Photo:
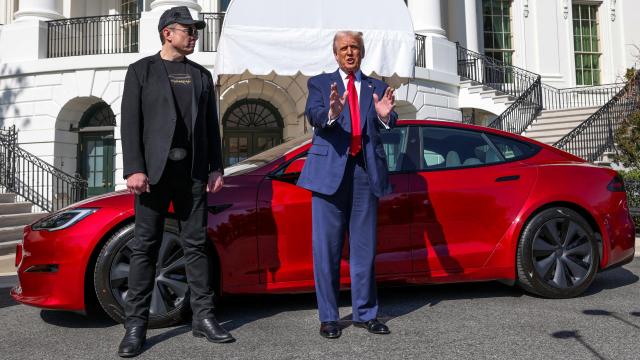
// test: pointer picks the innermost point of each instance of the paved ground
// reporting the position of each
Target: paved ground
(460, 321)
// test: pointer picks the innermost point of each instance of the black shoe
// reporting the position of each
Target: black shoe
(373, 326)
(210, 329)
(330, 330)
(132, 342)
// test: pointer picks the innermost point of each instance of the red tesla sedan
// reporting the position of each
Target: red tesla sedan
(469, 204)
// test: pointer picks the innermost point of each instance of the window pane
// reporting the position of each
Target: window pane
(512, 149)
(596, 77)
(453, 148)
(579, 80)
(588, 80)
(395, 147)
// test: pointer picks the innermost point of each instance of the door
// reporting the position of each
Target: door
(284, 225)
(96, 161)
(466, 195)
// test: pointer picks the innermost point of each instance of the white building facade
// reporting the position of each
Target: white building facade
(63, 63)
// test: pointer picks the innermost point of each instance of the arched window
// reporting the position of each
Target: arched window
(251, 126)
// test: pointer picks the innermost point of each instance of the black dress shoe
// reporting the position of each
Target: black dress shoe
(330, 330)
(373, 326)
(210, 329)
(132, 342)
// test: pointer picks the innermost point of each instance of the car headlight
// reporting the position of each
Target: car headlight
(62, 220)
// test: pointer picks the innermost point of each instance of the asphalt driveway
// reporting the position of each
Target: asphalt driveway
(459, 321)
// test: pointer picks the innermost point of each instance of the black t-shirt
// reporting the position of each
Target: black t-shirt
(182, 87)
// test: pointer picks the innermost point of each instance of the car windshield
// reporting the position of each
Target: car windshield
(266, 156)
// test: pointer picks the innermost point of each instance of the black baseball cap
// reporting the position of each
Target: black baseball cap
(180, 15)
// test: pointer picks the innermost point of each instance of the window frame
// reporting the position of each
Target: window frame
(591, 55)
(504, 51)
(483, 135)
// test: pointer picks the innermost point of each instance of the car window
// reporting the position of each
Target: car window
(444, 148)
(395, 146)
(512, 149)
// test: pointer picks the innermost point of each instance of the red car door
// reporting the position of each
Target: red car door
(464, 198)
(284, 223)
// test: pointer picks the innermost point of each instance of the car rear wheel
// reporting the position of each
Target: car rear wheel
(170, 294)
(557, 254)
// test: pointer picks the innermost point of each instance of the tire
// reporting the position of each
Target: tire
(557, 254)
(170, 296)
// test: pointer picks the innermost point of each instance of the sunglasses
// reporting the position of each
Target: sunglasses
(191, 31)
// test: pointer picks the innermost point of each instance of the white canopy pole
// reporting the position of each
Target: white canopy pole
(287, 37)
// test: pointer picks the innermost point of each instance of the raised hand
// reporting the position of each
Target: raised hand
(385, 105)
(336, 102)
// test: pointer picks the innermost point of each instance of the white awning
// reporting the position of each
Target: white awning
(295, 36)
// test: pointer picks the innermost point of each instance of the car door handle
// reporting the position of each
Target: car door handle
(508, 178)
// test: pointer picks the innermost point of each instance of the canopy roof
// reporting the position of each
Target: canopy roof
(291, 36)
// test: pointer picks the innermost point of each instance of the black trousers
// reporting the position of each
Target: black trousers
(190, 206)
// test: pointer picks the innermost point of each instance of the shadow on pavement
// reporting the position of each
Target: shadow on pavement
(75, 320)
(575, 334)
(156, 339)
(5, 299)
(611, 279)
(236, 311)
(613, 315)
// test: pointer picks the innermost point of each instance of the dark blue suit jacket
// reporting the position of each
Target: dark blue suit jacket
(327, 157)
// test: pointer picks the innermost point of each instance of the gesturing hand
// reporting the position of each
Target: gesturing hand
(336, 103)
(385, 105)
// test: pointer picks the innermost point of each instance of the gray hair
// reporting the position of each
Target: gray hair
(355, 34)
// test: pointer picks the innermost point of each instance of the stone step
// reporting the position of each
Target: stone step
(477, 88)
(7, 198)
(10, 233)
(565, 119)
(20, 219)
(547, 139)
(8, 247)
(565, 112)
(15, 208)
(542, 127)
(487, 94)
(504, 99)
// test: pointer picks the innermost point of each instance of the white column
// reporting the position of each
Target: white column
(456, 26)
(471, 21)
(162, 5)
(39, 10)
(427, 17)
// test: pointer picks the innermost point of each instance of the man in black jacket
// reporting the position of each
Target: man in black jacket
(172, 152)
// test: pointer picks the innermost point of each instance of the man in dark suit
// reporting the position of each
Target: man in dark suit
(346, 169)
(172, 152)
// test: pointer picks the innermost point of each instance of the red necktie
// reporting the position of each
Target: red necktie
(354, 110)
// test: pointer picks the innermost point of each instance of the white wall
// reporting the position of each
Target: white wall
(628, 18)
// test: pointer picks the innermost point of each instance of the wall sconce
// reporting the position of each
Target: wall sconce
(526, 9)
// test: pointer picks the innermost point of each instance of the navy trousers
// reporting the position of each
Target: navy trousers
(352, 208)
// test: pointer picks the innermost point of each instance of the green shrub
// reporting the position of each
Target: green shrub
(632, 184)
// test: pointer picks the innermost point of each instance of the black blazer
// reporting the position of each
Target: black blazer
(149, 117)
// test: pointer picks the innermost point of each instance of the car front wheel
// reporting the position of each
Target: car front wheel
(557, 254)
(170, 295)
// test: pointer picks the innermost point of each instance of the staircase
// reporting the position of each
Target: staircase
(580, 120)
(483, 97)
(13, 217)
(551, 125)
